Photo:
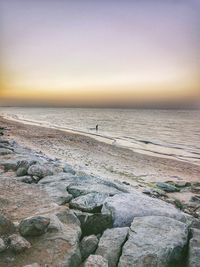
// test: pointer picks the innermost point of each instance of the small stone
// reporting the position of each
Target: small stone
(34, 226)
(21, 171)
(195, 199)
(5, 151)
(25, 179)
(18, 244)
(39, 171)
(2, 245)
(88, 245)
(6, 226)
(95, 261)
(68, 169)
(167, 187)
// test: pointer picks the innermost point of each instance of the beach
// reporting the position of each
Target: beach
(70, 200)
(102, 159)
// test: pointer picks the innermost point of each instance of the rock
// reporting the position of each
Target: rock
(18, 244)
(9, 165)
(182, 184)
(6, 226)
(194, 249)
(154, 241)
(2, 245)
(93, 223)
(110, 244)
(154, 192)
(125, 207)
(167, 187)
(195, 188)
(39, 170)
(68, 169)
(88, 245)
(5, 151)
(26, 179)
(34, 226)
(95, 261)
(83, 189)
(195, 199)
(21, 171)
(56, 188)
(32, 265)
(91, 202)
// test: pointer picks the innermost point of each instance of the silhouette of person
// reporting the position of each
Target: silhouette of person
(97, 127)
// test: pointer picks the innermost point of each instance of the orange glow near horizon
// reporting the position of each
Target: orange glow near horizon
(78, 54)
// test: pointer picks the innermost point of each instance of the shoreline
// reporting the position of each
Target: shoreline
(141, 147)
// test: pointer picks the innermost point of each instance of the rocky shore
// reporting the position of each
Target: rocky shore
(54, 215)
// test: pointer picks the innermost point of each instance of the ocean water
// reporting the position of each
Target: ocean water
(161, 133)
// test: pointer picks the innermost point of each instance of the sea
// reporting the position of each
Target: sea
(161, 133)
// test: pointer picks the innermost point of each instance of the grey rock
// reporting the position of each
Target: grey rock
(25, 179)
(68, 169)
(5, 151)
(39, 170)
(91, 202)
(2, 245)
(18, 244)
(125, 207)
(154, 241)
(194, 249)
(110, 244)
(34, 226)
(94, 223)
(6, 226)
(167, 187)
(195, 198)
(88, 245)
(95, 261)
(9, 165)
(82, 189)
(21, 171)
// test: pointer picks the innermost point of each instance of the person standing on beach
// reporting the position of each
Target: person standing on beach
(97, 127)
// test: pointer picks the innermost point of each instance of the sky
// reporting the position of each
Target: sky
(99, 53)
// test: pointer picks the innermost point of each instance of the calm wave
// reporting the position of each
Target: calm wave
(162, 133)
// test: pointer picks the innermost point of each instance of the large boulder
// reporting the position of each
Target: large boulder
(95, 261)
(125, 207)
(110, 244)
(194, 249)
(88, 245)
(95, 223)
(34, 226)
(91, 202)
(154, 241)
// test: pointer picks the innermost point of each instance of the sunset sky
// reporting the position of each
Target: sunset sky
(99, 53)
